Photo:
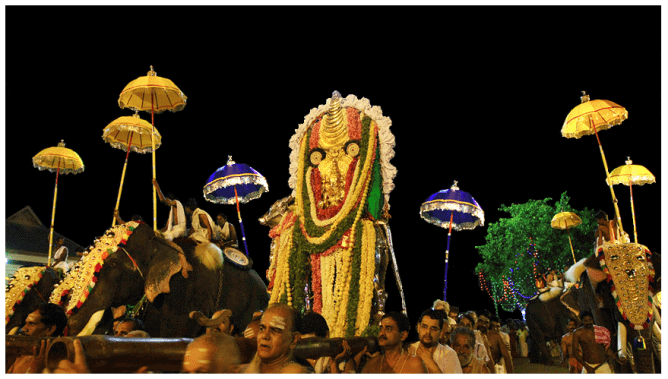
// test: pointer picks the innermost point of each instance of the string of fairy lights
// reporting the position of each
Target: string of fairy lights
(513, 291)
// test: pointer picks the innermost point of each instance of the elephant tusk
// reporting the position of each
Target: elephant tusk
(207, 322)
(657, 331)
(92, 324)
(621, 339)
(13, 331)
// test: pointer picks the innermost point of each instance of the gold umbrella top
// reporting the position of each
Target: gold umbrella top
(602, 114)
(58, 158)
(131, 131)
(152, 92)
(631, 174)
(565, 220)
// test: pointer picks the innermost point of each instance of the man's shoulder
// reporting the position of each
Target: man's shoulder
(294, 368)
(567, 336)
(414, 365)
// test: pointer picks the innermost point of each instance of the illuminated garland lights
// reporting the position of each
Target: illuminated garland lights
(505, 292)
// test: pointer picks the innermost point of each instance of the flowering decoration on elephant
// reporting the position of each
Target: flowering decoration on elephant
(80, 282)
(19, 286)
(324, 255)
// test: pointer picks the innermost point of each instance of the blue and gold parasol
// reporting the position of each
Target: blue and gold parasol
(452, 209)
(233, 184)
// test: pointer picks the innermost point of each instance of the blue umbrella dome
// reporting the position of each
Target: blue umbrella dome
(249, 184)
(465, 210)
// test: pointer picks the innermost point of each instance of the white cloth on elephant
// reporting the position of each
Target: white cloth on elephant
(178, 230)
(603, 369)
(200, 232)
(224, 231)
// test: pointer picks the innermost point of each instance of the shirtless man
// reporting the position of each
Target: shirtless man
(567, 357)
(278, 334)
(594, 342)
(49, 320)
(394, 328)
(497, 346)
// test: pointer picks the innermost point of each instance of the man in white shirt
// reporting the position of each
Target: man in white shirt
(436, 357)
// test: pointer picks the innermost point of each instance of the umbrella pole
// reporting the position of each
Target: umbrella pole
(633, 213)
(53, 216)
(607, 174)
(571, 242)
(120, 189)
(243, 233)
(155, 200)
(447, 255)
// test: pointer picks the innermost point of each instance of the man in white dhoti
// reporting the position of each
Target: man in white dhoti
(176, 223)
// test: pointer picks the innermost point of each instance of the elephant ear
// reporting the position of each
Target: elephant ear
(162, 266)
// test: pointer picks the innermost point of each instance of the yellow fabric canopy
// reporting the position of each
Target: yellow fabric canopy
(603, 114)
(152, 92)
(120, 132)
(59, 157)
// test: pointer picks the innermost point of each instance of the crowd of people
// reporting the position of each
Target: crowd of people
(448, 342)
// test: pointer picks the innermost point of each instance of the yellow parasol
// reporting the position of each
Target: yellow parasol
(63, 161)
(630, 174)
(157, 94)
(130, 133)
(588, 118)
(566, 220)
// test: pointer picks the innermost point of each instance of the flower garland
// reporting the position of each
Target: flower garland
(316, 184)
(316, 280)
(283, 251)
(650, 278)
(367, 273)
(87, 276)
(19, 286)
(327, 271)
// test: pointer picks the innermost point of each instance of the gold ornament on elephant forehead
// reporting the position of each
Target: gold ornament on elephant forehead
(627, 265)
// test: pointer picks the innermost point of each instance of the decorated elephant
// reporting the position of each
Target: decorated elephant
(547, 321)
(619, 285)
(331, 249)
(165, 281)
(28, 288)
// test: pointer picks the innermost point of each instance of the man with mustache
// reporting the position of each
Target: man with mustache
(438, 358)
(497, 346)
(394, 328)
(463, 342)
(481, 349)
(49, 320)
(594, 341)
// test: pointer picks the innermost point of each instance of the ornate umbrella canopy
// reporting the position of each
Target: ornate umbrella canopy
(58, 159)
(592, 116)
(566, 220)
(155, 94)
(152, 93)
(462, 207)
(453, 209)
(631, 174)
(130, 133)
(588, 118)
(61, 160)
(235, 183)
(133, 132)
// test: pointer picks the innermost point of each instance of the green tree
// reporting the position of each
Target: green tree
(521, 248)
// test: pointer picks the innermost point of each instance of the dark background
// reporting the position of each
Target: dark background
(475, 94)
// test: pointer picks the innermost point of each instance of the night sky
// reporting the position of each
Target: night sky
(475, 94)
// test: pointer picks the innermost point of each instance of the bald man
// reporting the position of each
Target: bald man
(211, 354)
